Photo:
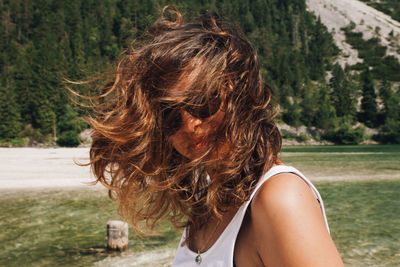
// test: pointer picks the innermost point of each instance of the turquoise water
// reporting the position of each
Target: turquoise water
(333, 163)
(68, 227)
(64, 228)
(343, 148)
(365, 221)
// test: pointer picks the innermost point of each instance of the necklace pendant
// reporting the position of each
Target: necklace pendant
(198, 258)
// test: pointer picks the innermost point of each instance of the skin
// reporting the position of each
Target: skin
(284, 225)
(194, 135)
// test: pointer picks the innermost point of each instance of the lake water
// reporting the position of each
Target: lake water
(48, 222)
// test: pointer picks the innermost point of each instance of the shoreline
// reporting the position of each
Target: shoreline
(28, 168)
(41, 168)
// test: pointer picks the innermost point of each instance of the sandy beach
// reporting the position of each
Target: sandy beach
(38, 168)
(57, 168)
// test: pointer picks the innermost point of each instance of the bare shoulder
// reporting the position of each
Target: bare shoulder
(290, 226)
(283, 193)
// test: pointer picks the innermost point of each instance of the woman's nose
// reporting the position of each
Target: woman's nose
(189, 123)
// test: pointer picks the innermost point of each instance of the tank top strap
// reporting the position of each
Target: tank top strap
(221, 252)
(288, 169)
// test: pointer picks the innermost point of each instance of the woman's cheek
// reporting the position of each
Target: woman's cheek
(179, 144)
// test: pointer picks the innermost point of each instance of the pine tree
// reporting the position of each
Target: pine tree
(44, 117)
(10, 119)
(308, 107)
(388, 99)
(316, 55)
(325, 114)
(389, 131)
(342, 97)
(69, 126)
(292, 115)
(369, 109)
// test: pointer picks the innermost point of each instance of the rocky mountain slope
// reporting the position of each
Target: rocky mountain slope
(336, 14)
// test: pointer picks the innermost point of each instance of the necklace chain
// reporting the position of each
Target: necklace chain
(198, 256)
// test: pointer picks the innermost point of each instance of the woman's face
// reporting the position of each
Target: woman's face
(195, 135)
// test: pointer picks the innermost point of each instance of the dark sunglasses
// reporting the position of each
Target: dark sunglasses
(199, 108)
(203, 111)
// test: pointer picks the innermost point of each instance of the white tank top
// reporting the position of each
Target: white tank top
(220, 254)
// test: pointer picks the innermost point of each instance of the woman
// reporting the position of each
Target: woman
(185, 132)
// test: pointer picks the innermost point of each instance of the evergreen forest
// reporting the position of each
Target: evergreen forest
(44, 42)
(390, 7)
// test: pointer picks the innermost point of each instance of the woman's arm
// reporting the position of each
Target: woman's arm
(289, 225)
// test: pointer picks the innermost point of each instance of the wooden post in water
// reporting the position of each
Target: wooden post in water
(117, 235)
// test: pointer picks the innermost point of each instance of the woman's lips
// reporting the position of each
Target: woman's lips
(199, 143)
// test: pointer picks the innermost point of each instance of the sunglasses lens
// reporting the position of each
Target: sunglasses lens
(199, 108)
(171, 121)
(204, 109)
(201, 112)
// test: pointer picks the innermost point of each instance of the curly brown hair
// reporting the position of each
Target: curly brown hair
(201, 62)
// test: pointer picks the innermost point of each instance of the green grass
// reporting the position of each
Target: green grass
(16, 142)
(68, 227)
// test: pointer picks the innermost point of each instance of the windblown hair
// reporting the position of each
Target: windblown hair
(131, 153)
